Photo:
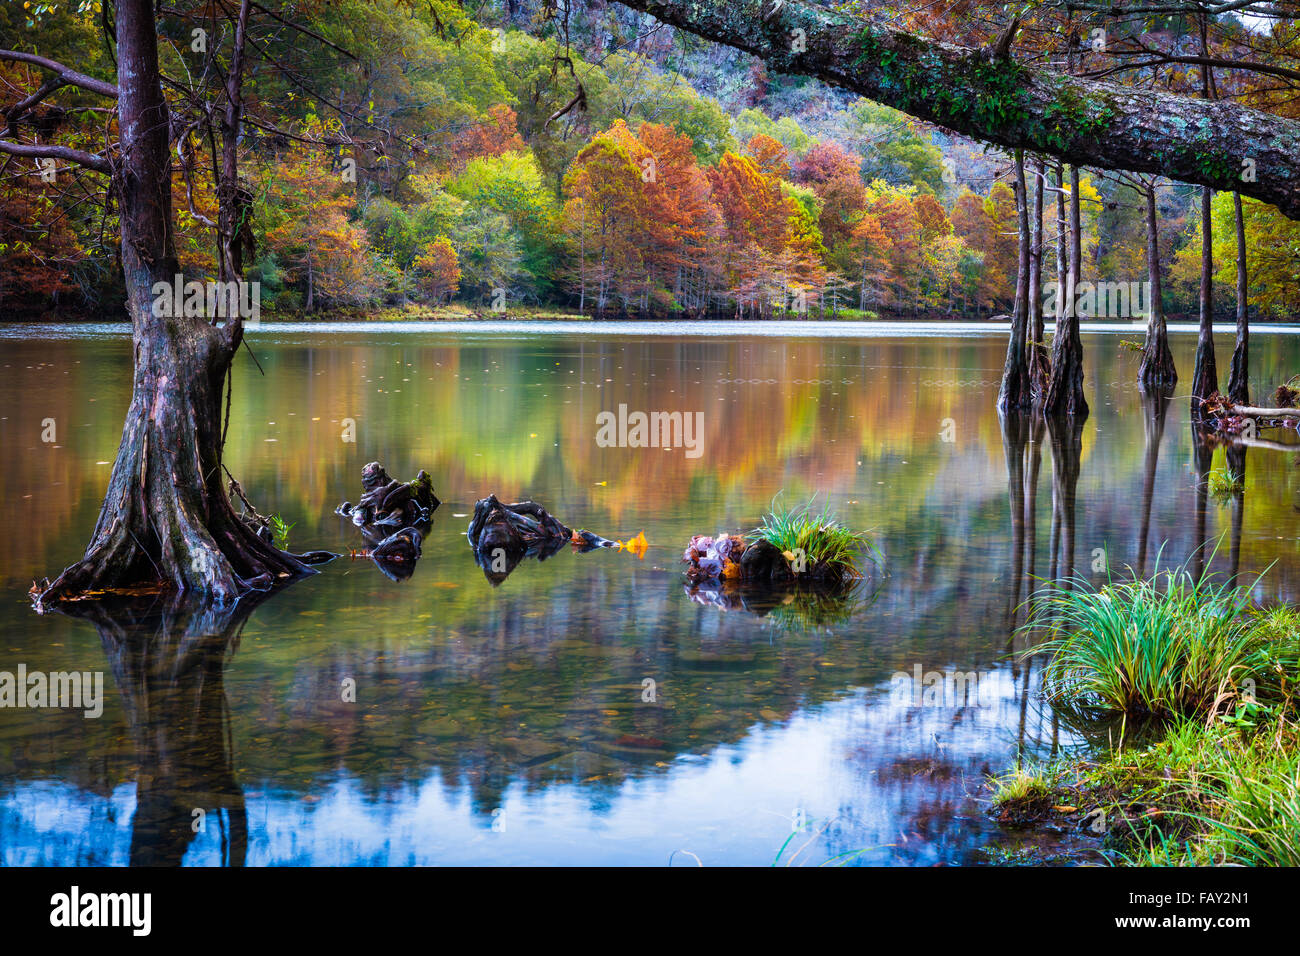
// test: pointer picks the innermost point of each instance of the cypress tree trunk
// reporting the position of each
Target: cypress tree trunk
(166, 520)
(1205, 379)
(1062, 241)
(1065, 387)
(1015, 391)
(234, 204)
(1039, 359)
(1157, 374)
(1238, 385)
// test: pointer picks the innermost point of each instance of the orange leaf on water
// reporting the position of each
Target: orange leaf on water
(638, 545)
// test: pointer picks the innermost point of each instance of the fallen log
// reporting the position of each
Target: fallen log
(1256, 412)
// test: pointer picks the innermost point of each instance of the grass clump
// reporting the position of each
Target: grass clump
(1223, 484)
(1172, 646)
(1024, 794)
(1223, 790)
(1206, 768)
(815, 542)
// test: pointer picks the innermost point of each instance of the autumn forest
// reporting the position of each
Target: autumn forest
(410, 156)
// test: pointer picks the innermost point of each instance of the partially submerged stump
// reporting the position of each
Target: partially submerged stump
(788, 605)
(729, 557)
(728, 573)
(503, 535)
(396, 555)
(387, 503)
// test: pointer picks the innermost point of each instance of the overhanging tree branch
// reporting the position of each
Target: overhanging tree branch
(89, 160)
(64, 75)
(1085, 122)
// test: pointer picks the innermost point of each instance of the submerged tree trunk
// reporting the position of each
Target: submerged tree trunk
(168, 659)
(1157, 374)
(1065, 387)
(1236, 464)
(166, 520)
(1015, 436)
(1065, 435)
(1238, 383)
(1016, 391)
(1205, 379)
(1202, 459)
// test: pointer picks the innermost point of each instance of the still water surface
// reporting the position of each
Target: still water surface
(507, 725)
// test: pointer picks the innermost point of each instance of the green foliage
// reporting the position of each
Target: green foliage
(891, 146)
(1223, 483)
(1072, 116)
(280, 531)
(511, 187)
(748, 123)
(1170, 646)
(828, 547)
(992, 97)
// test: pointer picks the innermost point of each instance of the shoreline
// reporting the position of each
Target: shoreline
(776, 328)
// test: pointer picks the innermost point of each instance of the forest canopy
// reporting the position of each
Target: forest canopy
(405, 155)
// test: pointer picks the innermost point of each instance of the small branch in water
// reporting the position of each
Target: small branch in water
(1258, 412)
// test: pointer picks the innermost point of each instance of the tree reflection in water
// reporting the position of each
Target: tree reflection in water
(168, 659)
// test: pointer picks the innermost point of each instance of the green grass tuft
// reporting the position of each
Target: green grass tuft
(1166, 647)
(1223, 483)
(829, 549)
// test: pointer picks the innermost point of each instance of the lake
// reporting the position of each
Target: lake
(593, 708)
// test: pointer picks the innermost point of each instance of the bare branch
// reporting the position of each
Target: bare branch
(99, 164)
(65, 75)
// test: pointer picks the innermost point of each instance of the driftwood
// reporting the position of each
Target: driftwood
(387, 502)
(1256, 412)
(503, 535)
(1222, 417)
(1265, 443)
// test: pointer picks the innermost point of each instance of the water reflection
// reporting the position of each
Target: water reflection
(1155, 409)
(511, 724)
(168, 662)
